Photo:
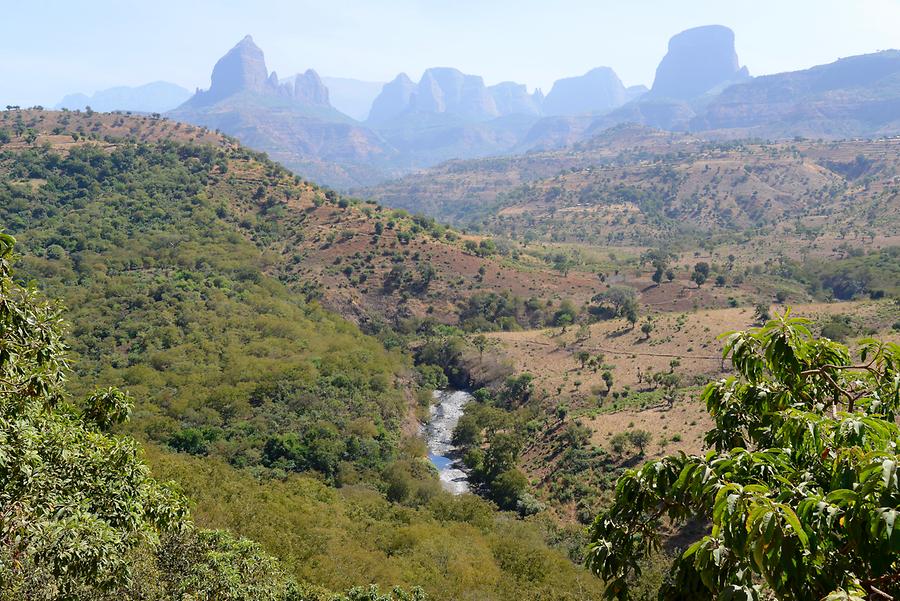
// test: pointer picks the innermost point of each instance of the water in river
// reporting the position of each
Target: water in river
(445, 413)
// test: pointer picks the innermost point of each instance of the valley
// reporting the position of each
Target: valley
(473, 343)
(535, 328)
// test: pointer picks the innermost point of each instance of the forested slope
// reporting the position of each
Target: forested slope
(184, 267)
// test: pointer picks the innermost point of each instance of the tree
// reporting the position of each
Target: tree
(501, 454)
(467, 432)
(566, 314)
(608, 380)
(486, 247)
(562, 263)
(658, 275)
(618, 298)
(646, 328)
(582, 357)
(619, 442)
(427, 273)
(517, 389)
(508, 487)
(480, 342)
(700, 273)
(761, 313)
(801, 485)
(640, 439)
(631, 315)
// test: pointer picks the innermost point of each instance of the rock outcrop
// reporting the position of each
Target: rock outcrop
(635, 92)
(309, 89)
(513, 99)
(291, 120)
(243, 68)
(450, 92)
(447, 90)
(698, 60)
(597, 91)
(392, 101)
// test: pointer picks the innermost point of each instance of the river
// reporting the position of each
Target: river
(445, 413)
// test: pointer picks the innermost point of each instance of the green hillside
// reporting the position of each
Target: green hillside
(169, 300)
(279, 420)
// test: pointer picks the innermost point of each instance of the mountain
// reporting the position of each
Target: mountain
(392, 100)
(699, 87)
(512, 98)
(242, 69)
(699, 63)
(635, 92)
(309, 89)
(448, 90)
(650, 187)
(156, 97)
(292, 120)
(854, 96)
(597, 91)
(352, 96)
(698, 60)
(449, 114)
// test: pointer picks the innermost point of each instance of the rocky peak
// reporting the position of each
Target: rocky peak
(242, 68)
(393, 99)
(597, 91)
(429, 95)
(309, 89)
(513, 99)
(698, 60)
(447, 90)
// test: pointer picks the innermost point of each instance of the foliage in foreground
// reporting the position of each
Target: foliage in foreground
(801, 488)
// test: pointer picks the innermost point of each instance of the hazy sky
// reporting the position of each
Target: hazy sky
(52, 47)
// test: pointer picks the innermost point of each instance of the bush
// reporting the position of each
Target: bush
(508, 487)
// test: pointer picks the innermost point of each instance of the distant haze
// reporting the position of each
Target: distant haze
(95, 45)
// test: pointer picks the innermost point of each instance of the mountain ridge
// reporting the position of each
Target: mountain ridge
(153, 97)
(449, 115)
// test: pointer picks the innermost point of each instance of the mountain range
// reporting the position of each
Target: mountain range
(156, 97)
(349, 133)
